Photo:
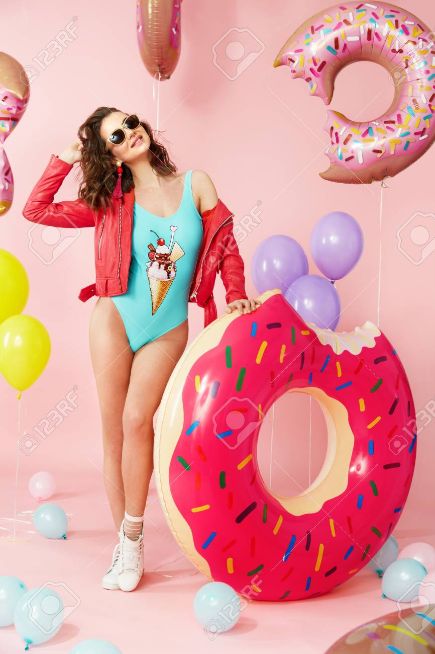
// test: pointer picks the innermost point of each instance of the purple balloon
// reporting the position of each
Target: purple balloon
(277, 262)
(316, 300)
(336, 244)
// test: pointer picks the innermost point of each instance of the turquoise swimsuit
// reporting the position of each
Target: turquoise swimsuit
(164, 254)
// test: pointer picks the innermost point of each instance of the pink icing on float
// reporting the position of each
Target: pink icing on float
(361, 152)
(221, 513)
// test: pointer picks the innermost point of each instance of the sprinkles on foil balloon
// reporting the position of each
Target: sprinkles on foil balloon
(14, 96)
(408, 631)
(361, 152)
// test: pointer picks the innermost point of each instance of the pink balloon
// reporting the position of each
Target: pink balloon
(426, 592)
(424, 553)
(42, 485)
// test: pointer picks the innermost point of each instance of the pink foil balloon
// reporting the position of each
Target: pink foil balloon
(424, 553)
(14, 96)
(159, 35)
(42, 485)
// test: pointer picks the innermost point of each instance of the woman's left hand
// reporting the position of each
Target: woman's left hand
(243, 305)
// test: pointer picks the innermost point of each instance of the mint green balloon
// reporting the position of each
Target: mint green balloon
(385, 556)
(95, 646)
(50, 520)
(11, 589)
(38, 615)
(217, 607)
(401, 580)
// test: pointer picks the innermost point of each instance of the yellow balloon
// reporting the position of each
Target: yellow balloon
(14, 285)
(24, 350)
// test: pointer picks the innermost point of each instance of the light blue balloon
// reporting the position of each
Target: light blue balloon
(11, 589)
(95, 646)
(401, 580)
(385, 557)
(50, 520)
(217, 607)
(38, 615)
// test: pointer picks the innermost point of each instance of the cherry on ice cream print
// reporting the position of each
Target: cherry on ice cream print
(161, 269)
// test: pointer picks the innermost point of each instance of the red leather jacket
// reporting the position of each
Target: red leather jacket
(112, 241)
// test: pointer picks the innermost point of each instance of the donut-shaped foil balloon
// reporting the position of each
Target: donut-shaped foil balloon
(360, 152)
(14, 96)
(231, 526)
(410, 630)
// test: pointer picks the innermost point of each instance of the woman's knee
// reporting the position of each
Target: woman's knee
(136, 423)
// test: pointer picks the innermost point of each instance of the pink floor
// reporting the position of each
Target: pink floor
(158, 616)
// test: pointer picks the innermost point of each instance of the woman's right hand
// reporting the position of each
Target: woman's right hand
(72, 153)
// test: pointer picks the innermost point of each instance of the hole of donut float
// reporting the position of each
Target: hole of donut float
(332, 442)
(289, 459)
(364, 90)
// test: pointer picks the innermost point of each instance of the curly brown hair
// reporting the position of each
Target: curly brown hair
(97, 165)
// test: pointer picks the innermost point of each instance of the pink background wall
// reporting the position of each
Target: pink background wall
(260, 138)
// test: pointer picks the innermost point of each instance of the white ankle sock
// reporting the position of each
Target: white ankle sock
(133, 526)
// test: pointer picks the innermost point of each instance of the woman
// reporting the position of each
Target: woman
(160, 239)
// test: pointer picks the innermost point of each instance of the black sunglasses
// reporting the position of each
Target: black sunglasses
(118, 136)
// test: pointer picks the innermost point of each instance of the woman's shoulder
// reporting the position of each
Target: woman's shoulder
(204, 191)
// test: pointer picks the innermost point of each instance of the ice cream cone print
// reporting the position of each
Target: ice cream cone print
(161, 269)
(159, 289)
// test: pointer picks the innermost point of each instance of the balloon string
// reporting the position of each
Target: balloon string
(156, 97)
(309, 445)
(381, 211)
(17, 459)
(271, 445)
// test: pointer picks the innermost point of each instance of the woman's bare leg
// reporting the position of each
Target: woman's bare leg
(112, 359)
(152, 366)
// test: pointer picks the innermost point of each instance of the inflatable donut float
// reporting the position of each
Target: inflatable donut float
(411, 630)
(219, 509)
(360, 152)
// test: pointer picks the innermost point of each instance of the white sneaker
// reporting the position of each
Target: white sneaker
(110, 579)
(130, 568)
